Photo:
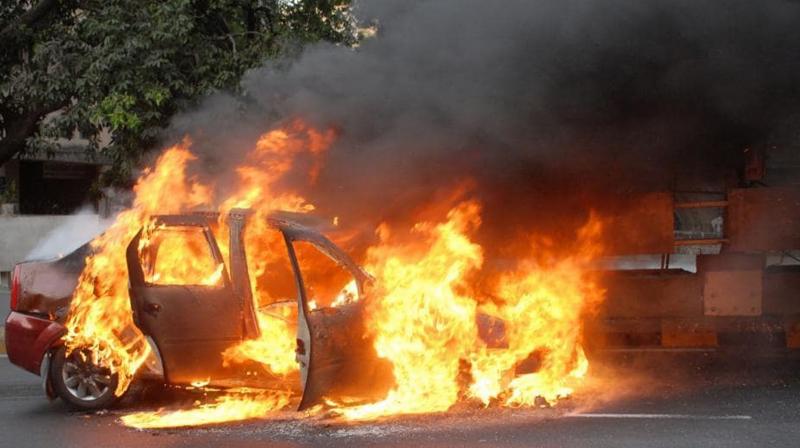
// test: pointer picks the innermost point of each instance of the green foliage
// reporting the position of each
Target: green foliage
(127, 66)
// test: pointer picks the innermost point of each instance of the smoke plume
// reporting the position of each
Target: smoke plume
(548, 106)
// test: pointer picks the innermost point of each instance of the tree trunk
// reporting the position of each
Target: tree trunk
(19, 128)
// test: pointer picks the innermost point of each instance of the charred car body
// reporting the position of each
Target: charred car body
(189, 326)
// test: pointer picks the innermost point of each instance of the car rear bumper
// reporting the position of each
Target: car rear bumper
(28, 338)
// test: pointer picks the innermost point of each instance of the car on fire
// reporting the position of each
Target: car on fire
(189, 326)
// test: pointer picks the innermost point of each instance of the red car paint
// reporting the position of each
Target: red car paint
(29, 337)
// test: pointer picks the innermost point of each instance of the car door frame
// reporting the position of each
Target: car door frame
(333, 352)
(145, 307)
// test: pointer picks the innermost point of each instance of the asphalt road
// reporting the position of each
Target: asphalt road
(732, 404)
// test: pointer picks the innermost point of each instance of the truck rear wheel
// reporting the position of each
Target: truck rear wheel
(80, 383)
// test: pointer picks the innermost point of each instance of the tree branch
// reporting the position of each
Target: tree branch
(19, 128)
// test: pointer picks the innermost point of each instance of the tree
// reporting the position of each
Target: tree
(128, 65)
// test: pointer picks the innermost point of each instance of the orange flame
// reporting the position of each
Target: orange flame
(275, 347)
(424, 317)
(271, 278)
(422, 321)
(233, 406)
(100, 316)
(425, 308)
(175, 247)
(541, 304)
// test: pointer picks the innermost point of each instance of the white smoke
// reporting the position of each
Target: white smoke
(76, 230)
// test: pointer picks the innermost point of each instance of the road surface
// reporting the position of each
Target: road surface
(732, 404)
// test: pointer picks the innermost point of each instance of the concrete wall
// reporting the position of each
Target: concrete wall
(44, 236)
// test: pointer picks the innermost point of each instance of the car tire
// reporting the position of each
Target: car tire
(81, 384)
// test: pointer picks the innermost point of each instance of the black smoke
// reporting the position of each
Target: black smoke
(550, 106)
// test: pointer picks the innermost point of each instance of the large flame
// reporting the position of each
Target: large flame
(100, 316)
(272, 281)
(541, 302)
(425, 318)
(434, 300)
(422, 319)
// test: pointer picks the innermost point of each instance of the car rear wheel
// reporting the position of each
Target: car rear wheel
(81, 383)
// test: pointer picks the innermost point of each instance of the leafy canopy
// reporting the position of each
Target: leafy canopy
(126, 66)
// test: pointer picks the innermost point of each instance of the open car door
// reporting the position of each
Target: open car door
(182, 297)
(337, 358)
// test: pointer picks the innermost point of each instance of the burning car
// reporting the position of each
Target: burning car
(193, 317)
(164, 295)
